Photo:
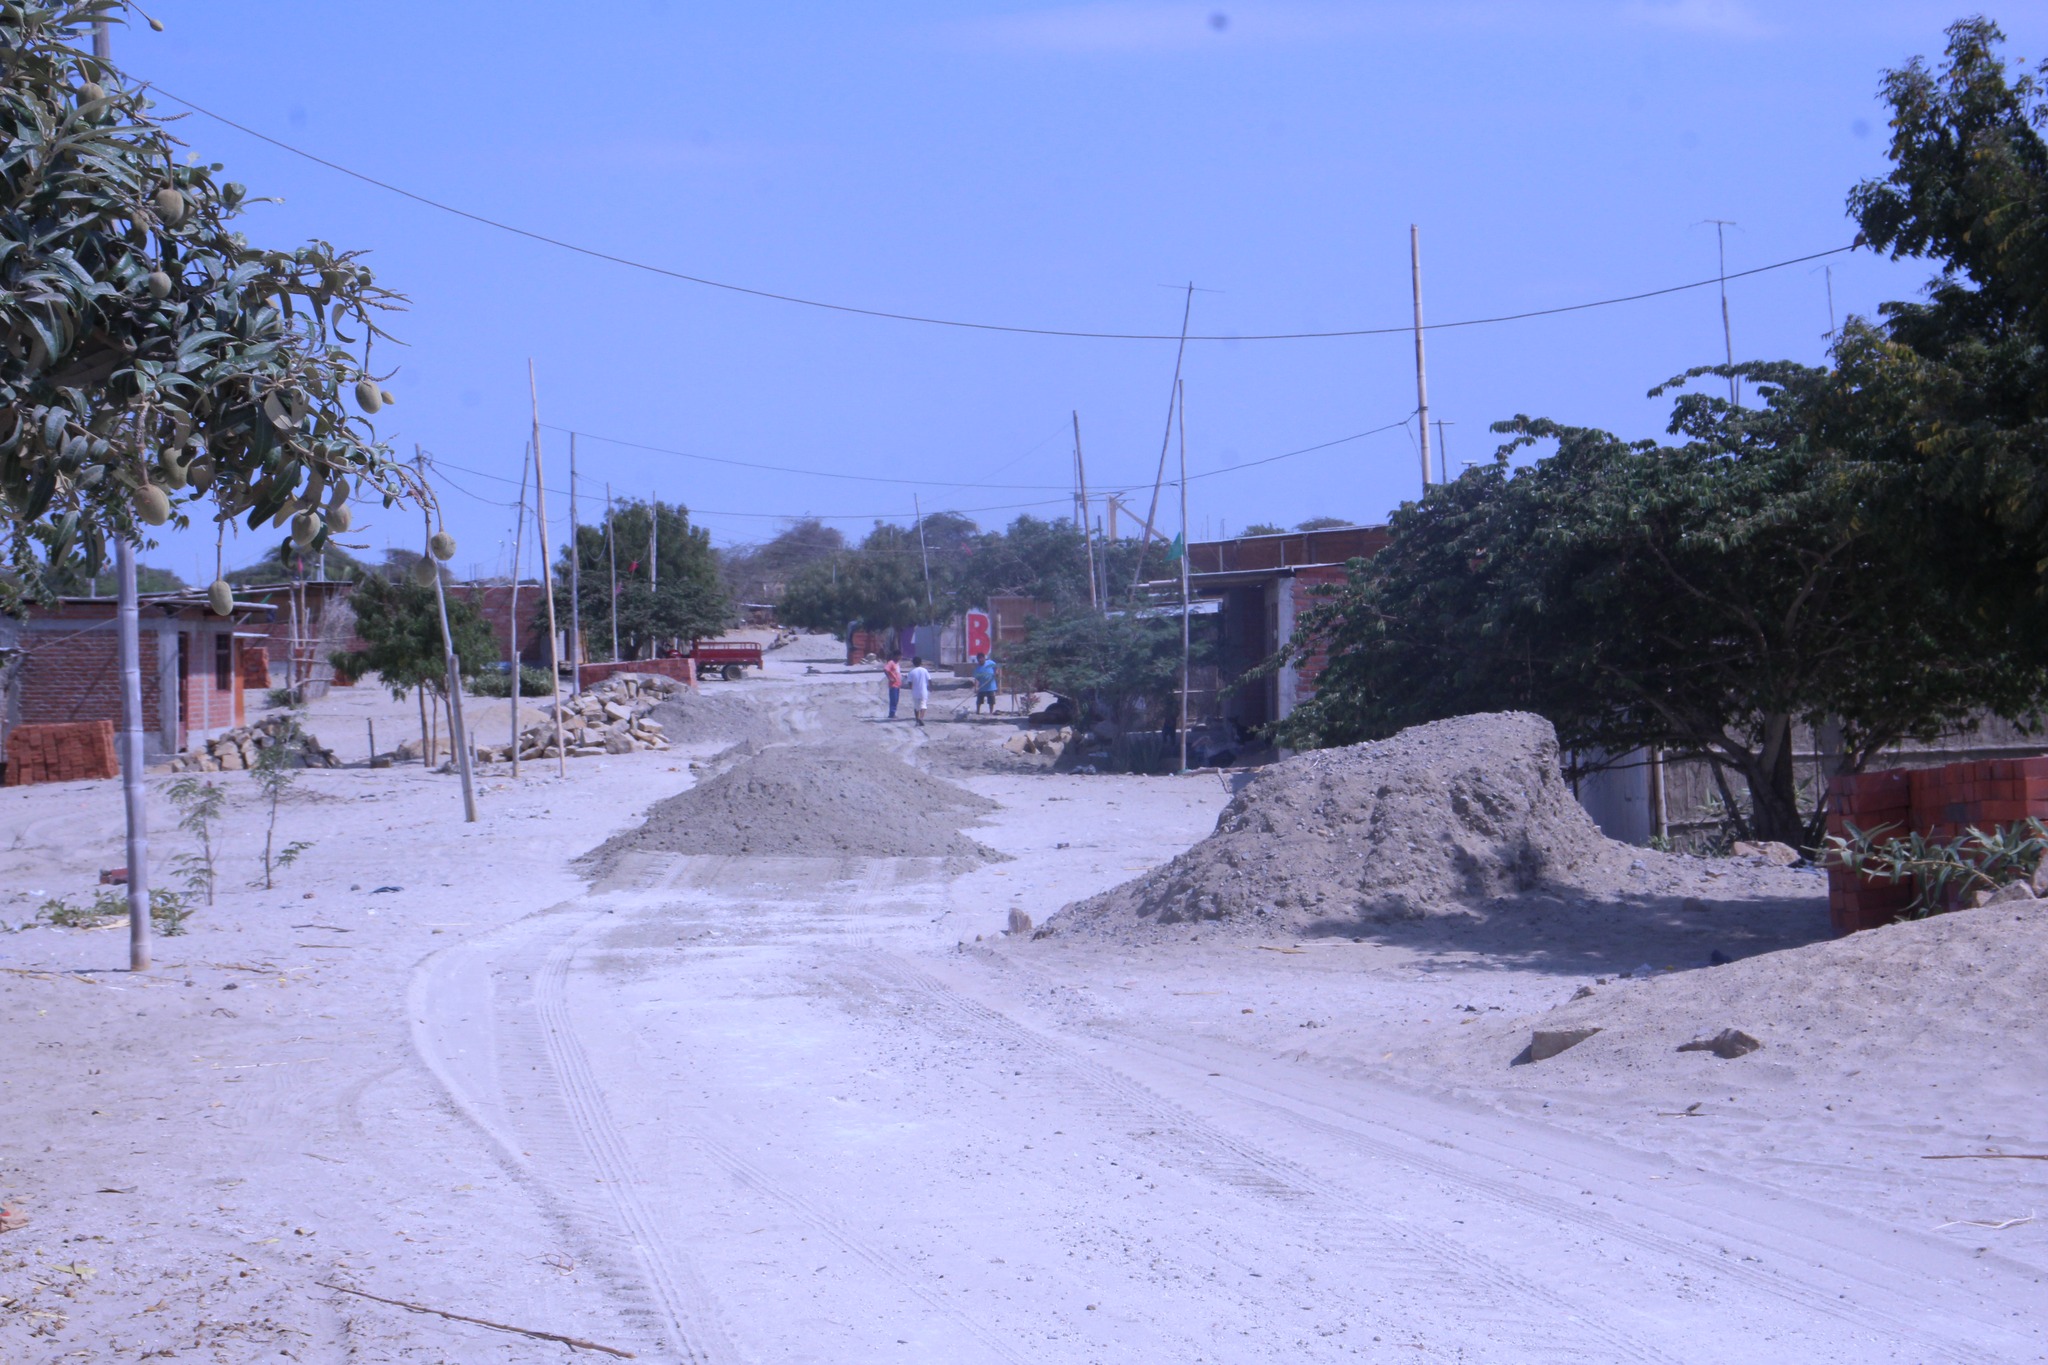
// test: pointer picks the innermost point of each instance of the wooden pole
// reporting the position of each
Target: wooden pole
(1087, 530)
(1421, 370)
(512, 635)
(547, 574)
(575, 583)
(1165, 439)
(611, 549)
(1181, 402)
(458, 734)
(924, 553)
(128, 646)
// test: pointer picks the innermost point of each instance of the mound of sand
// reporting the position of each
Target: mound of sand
(1440, 817)
(1964, 985)
(715, 718)
(811, 802)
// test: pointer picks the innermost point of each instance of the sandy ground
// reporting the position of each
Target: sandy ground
(723, 1108)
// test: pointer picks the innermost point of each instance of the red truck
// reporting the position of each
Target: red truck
(724, 658)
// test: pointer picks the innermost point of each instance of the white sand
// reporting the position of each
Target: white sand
(790, 1109)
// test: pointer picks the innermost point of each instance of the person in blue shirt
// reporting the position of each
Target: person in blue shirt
(984, 683)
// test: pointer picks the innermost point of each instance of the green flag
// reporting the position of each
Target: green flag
(1176, 550)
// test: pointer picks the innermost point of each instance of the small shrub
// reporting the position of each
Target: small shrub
(283, 697)
(168, 910)
(533, 682)
(1946, 872)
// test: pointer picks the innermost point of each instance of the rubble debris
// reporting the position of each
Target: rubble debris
(1728, 1044)
(237, 749)
(1768, 850)
(1545, 1043)
(610, 718)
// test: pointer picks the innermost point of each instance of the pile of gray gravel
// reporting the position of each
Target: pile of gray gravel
(811, 801)
(1439, 819)
(710, 717)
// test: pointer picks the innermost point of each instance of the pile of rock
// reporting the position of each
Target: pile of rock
(237, 749)
(610, 718)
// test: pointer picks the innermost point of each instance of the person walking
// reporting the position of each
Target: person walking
(893, 671)
(920, 687)
(985, 675)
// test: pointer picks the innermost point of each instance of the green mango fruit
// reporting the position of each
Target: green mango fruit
(152, 504)
(220, 598)
(443, 546)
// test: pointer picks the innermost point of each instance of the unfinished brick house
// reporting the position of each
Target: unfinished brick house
(60, 664)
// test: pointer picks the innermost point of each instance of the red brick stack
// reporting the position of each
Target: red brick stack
(73, 751)
(1940, 803)
(255, 665)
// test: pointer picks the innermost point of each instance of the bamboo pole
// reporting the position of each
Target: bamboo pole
(1087, 530)
(1181, 402)
(575, 582)
(134, 798)
(512, 634)
(547, 576)
(611, 550)
(458, 734)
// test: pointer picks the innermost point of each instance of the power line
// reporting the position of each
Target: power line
(809, 473)
(888, 315)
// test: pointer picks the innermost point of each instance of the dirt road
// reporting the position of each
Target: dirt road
(758, 1109)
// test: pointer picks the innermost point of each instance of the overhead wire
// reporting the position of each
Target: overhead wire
(961, 323)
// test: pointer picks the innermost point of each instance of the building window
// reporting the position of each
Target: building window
(223, 662)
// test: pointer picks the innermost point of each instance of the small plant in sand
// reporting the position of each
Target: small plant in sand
(168, 910)
(199, 806)
(275, 771)
(1945, 873)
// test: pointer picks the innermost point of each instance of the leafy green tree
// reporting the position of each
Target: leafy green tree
(1123, 665)
(669, 589)
(760, 573)
(1034, 557)
(1323, 524)
(400, 625)
(1703, 597)
(1263, 528)
(287, 561)
(881, 584)
(1952, 389)
(155, 366)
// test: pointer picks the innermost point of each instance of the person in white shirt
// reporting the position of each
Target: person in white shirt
(920, 679)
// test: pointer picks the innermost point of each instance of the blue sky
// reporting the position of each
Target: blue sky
(1050, 165)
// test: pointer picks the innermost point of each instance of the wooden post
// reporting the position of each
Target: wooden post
(518, 547)
(575, 583)
(1087, 531)
(1165, 440)
(1181, 402)
(1421, 371)
(134, 796)
(547, 576)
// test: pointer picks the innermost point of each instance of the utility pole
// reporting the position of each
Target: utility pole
(547, 575)
(128, 646)
(575, 583)
(1087, 531)
(1421, 369)
(1831, 303)
(452, 667)
(1721, 226)
(611, 549)
(654, 566)
(518, 545)
(1181, 402)
(1165, 439)
(1443, 451)
(923, 551)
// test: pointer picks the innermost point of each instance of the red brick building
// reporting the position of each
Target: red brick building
(60, 665)
(1254, 589)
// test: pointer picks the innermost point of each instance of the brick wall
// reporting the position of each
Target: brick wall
(72, 672)
(1304, 586)
(679, 669)
(1940, 803)
(73, 752)
(255, 665)
(494, 602)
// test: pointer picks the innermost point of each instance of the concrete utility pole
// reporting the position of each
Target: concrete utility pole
(547, 575)
(1721, 226)
(128, 645)
(1421, 369)
(575, 583)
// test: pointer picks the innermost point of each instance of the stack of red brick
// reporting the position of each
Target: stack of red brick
(1939, 803)
(70, 752)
